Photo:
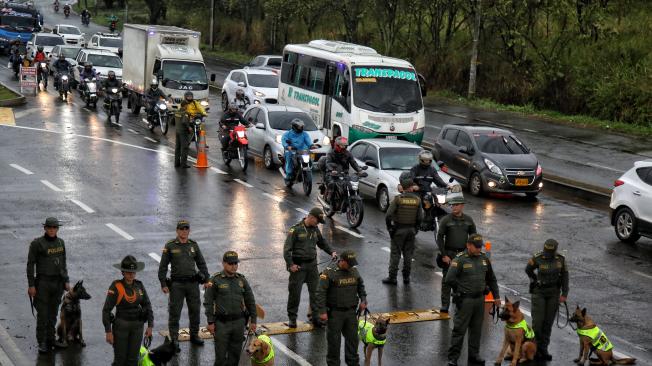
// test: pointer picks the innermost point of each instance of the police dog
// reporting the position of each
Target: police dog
(605, 357)
(259, 349)
(378, 332)
(70, 320)
(516, 343)
(162, 354)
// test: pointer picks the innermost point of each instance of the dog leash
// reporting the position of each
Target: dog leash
(329, 261)
(568, 322)
(147, 342)
(494, 313)
(246, 342)
(31, 305)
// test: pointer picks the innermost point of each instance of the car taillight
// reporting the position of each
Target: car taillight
(618, 183)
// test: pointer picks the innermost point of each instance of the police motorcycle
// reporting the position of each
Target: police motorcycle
(56, 7)
(238, 147)
(113, 106)
(346, 198)
(160, 117)
(302, 161)
(89, 91)
(42, 73)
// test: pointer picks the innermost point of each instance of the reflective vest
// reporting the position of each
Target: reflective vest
(365, 331)
(270, 355)
(527, 330)
(143, 357)
(599, 340)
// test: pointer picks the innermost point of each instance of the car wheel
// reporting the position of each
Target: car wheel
(268, 158)
(625, 226)
(382, 197)
(475, 184)
(225, 102)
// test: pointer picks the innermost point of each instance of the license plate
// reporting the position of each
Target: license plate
(521, 181)
(390, 137)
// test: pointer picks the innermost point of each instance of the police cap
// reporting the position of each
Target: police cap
(349, 257)
(550, 245)
(317, 213)
(183, 224)
(52, 222)
(476, 240)
(230, 257)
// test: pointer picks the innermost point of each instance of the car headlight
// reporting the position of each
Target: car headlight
(204, 103)
(493, 167)
(327, 141)
(258, 94)
(278, 139)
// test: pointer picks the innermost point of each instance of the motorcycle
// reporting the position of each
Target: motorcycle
(113, 26)
(238, 147)
(89, 92)
(63, 85)
(113, 106)
(56, 7)
(86, 20)
(345, 198)
(66, 11)
(434, 206)
(42, 74)
(302, 161)
(159, 117)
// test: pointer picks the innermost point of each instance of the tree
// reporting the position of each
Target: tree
(476, 12)
(388, 21)
(311, 12)
(157, 9)
(352, 12)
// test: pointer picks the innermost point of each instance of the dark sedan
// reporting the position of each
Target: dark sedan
(488, 159)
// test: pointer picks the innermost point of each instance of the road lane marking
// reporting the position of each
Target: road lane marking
(643, 274)
(604, 167)
(459, 115)
(435, 127)
(502, 124)
(386, 249)
(121, 232)
(132, 131)
(350, 232)
(218, 171)
(192, 159)
(301, 210)
(530, 130)
(155, 256)
(151, 139)
(283, 348)
(18, 167)
(51, 186)
(82, 205)
(275, 198)
(25, 112)
(243, 183)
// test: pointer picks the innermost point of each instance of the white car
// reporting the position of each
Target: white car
(631, 203)
(70, 34)
(103, 61)
(259, 85)
(106, 41)
(272, 62)
(47, 40)
(387, 160)
(270, 122)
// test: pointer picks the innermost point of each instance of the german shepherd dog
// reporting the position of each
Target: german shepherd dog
(516, 343)
(162, 354)
(379, 331)
(70, 320)
(588, 344)
(258, 350)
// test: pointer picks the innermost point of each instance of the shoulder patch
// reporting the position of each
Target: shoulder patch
(460, 254)
(453, 264)
(323, 276)
(291, 230)
(170, 241)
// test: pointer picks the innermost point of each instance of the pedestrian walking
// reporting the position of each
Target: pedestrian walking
(341, 290)
(452, 237)
(230, 305)
(183, 136)
(300, 254)
(47, 278)
(469, 275)
(124, 330)
(188, 270)
(548, 275)
(403, 217)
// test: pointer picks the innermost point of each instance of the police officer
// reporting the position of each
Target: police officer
(184, 255)
(183, 136)
(229, 304)
(454, 231)
(403, 217)
(45, 286)
(470, 273)
(550, 279)
(300, 256)
(341, 290)
(125, 330)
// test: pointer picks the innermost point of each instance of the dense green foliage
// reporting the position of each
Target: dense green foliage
(576, 56)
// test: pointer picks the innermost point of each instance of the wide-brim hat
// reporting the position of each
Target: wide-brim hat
(130, 264)
(52, 222)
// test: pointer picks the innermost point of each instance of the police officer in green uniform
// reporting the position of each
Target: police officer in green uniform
(45, 285)
(184, 255)
(133, 308)
(183, 136)
(300, 256)
(546, 284)
(469, 275)
(453, 234)
(230, 305)
(341, 290)
(403, 217)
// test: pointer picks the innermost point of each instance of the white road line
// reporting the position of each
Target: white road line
(509, 289)
(433, 127)
(301, 210)
(503, 124)
(151, 139)
(132, 131)
(604, 167)
(218, 171)
(283, 348)
(155, 257)
(459, 115)
(51, 186)
(192, 159)
(342, 228)
(22, 114)
(275, 198)
(484, 120)
(437, 110)
(386, 249)
(243, 183)
(18, 167)
(121, 232)
(643, 274)
(82, 205)
(530, 130)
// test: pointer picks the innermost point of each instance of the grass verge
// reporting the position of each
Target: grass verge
(6, 94)
(530, 110)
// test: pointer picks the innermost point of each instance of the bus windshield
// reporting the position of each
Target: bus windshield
(386, 89)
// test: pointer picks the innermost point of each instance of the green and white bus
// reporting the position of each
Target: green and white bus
(352, 91)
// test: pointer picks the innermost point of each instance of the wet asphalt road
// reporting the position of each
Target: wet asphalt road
(128, 180)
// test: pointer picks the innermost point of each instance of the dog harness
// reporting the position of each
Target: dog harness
(365, 331)
(143, 357)
(527, 330)
(270, 355)
(599, 340)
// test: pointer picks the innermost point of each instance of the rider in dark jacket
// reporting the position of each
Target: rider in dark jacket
(152, 96)
(61, 65)
(229, 120)
(424, 174)
(339, 159)
(111, 82)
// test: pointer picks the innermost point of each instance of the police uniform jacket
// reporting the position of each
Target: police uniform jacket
(469, 275)
(229, 298)
(404, 211)
(183, 258)
(551, 273)
(133, 305)
(453, 233)
(301, 242)
(340, 289)
(48, 255)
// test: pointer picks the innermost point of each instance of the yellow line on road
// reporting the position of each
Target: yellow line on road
(7, 117)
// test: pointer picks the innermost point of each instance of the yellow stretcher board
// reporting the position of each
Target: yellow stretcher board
(7, 117)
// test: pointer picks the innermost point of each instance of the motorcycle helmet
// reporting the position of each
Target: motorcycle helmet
(239, 94)
(188, 96)
(425, 158)
(340, 144)
(111, 75)
(88, 66)
(153, 84)
(233, 108)
(297, 125)
(62, 57)
(40, 48)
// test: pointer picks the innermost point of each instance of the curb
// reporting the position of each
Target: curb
(10, 355)
(14, 102)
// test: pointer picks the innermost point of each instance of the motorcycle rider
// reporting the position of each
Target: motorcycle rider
(339, 159)
(241, 100)
(111, 82)
(424, 174)
(229, 120)
(85, 14)
(295, 139)
(56, 5)
(66, 8)
(194, 108)
(152, 96)
(61, 65)
(88, 72)
(40, 55)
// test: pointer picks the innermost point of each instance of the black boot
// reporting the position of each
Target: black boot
(475, 361)
(196, 340)
(175, 345)
(389, 281)
(43, 348)
(292, 323)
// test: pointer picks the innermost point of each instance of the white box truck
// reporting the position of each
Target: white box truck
(169, 54)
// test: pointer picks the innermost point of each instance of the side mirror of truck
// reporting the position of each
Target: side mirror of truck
(159, 74)
(213, 78)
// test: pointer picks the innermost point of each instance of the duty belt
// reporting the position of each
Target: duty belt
(184, 279)
(549, 285)
(298, 261)
(49, 277)
(472, 295)
(229, 318)
(342, 308)
(128, 316)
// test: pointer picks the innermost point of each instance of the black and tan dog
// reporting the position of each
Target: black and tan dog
(70, 320)
(373, 335)
(159, 356)
(519, 341)
(593, 340)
